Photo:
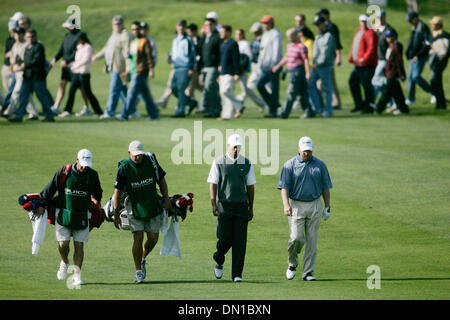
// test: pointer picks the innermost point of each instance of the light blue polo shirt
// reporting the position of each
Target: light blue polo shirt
(305, 181)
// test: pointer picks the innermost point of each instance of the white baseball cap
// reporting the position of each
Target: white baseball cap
(212, 15)
(85, 158)
(136, 148)
(234, 140)
(305, 143)
(18, 15)
(257, 26)
(363, 17)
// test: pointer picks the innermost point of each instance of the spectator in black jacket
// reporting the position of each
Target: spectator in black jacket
(334, 30)
(34, 75)
(417, 54)
(439, 54)
(67, 53)
(209, 60)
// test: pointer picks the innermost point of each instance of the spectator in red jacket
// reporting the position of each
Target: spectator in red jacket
(364, 56)
(394, 71)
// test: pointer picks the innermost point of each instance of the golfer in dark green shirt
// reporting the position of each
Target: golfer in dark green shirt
(232, 181)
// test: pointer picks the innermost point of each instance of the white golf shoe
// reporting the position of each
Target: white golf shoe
(139, 278)
(290, 273)
(218, 271)
(309, 277)
(62, 271)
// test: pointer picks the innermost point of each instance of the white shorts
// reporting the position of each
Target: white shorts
(64, 233)
(147, 225)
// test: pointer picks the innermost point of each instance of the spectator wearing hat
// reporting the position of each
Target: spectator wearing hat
(16, 61)
(439, 54)
(333, 28)
(115, 53)
(34, 78)
(296, 59)
(141, 68)
(81, 79)
(72, 210)
(232, 190)
(394, 72)
(364, 56)
(381, 27)
(67, 52)
(322, 68)
(255, 44)
(417, 54)
(303, 180)
(229, 74)
(210, 60)
(183, 59)
(270, 54)
(214, 16)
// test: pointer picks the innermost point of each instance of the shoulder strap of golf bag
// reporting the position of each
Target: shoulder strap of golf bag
(51, 210)
(153, 161)
(64, 174)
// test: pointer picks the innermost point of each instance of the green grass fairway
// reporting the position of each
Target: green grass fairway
(391, 177)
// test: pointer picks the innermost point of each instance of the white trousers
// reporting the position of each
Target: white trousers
(229, 101)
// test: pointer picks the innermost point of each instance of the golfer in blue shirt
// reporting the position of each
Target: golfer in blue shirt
(304, 179)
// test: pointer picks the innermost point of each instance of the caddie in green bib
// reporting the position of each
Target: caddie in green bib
(73, 213)
(141, 188)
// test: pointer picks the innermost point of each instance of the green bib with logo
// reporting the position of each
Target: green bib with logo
(74, 214)
(141, 188)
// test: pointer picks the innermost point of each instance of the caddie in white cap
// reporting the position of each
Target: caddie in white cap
(136, 148)
(139, 175)
(75, 184)
(84, 158)
(232, 188)
(303, 180)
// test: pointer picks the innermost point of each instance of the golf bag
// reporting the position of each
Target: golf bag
(180, 205)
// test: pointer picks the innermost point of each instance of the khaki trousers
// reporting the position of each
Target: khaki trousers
(304, 230)
(14, 104)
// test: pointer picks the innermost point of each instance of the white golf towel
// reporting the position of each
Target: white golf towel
(39, 226)
(171, 242)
